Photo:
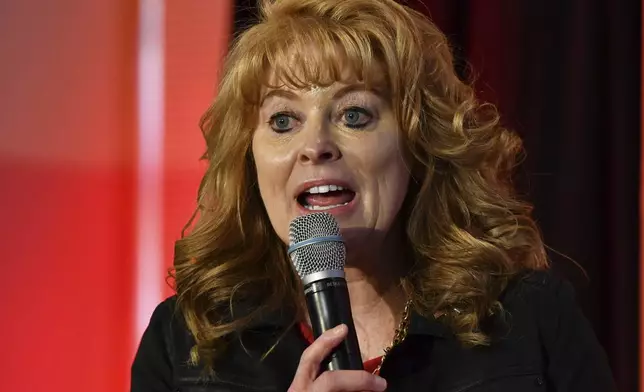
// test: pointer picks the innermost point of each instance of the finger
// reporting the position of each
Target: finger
(349, 381)
(313, 356)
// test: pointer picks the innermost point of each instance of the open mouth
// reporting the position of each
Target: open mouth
(325, 197)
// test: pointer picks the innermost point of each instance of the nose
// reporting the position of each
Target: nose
(318, 146)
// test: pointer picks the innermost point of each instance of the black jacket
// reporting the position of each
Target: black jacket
(543, 344)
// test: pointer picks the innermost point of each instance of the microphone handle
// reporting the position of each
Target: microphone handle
(328, 304)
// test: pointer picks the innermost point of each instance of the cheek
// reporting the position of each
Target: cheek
(383, 159)
(394, 181)
(273, 171)
(387, 168)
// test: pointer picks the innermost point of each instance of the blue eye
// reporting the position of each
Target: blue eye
(356, 117)
(281, 122)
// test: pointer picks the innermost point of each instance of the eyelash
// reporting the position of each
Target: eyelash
(294, 116)
(272, 119)
(360, 110)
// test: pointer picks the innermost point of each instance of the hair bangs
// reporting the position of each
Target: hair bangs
(301, 53)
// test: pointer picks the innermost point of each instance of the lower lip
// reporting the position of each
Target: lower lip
(335, 211)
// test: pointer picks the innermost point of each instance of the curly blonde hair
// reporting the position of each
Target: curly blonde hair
(467, 232)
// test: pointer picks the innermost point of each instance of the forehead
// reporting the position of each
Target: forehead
(306, 58)
(313, 75)
(316, 64)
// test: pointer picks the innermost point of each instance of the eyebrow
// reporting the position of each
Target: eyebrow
(280, 93)
(342, 91)
(356, 87)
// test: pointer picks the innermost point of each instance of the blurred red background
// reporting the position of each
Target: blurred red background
(81, 188)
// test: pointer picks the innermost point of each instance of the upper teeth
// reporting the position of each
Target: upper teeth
(324, 189)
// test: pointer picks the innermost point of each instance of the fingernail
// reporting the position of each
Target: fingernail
(338, 330)
(381, 383)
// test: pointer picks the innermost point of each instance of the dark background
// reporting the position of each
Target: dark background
(565, 74)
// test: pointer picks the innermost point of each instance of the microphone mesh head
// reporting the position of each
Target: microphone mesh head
(319, 256)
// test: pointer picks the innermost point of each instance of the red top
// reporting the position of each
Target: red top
(369, 366)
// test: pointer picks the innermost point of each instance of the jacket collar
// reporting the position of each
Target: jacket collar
(429, 326)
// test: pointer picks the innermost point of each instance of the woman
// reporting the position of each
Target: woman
(353, 107)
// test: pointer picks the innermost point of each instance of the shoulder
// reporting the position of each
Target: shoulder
(534, 303)
(155, 347)
(166, 321)
(545, 303)
(164, 339)
(536, 280)
(166, 313)
(545, 298)
(541, 290)
(168, 326)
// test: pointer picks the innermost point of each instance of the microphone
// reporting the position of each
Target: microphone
(318, 255)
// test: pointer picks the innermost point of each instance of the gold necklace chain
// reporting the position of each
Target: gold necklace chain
(399, 335)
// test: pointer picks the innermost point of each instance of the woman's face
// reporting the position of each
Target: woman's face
(332, 149)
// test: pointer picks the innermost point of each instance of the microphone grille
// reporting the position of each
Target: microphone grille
(323, 255)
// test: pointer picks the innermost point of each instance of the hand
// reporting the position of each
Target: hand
(306, 377)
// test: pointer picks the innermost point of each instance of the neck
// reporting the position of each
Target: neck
(377, 304)
(376, 295)
(374, 291)
(374, 275)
